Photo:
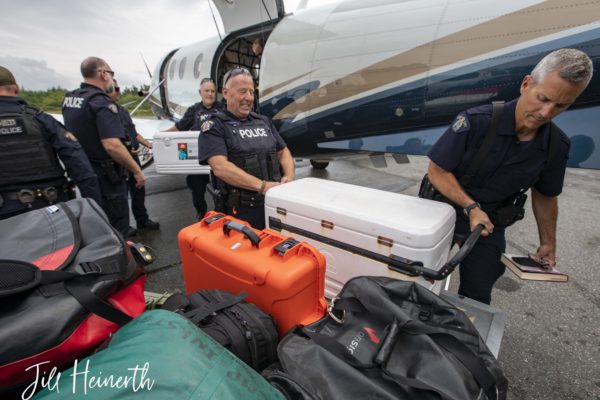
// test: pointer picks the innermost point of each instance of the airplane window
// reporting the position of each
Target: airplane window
(198, 65)
(172, 69)
(182, 67)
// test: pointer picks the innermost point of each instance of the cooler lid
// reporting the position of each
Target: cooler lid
(411, 220)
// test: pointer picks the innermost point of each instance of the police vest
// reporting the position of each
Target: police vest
(130, 140)
(26, 157)
(81, 120)
(204, 114)
(258, 154)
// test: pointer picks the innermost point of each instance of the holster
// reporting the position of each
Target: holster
(113, 171)
(507, 213)
(428, 191)
(218, 197)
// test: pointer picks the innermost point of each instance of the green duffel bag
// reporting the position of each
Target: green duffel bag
(159, 355)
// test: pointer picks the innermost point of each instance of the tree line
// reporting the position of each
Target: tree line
(51, 100)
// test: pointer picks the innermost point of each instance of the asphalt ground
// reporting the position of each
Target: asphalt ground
(551, 343)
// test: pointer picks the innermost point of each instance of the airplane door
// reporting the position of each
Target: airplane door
(239, 14)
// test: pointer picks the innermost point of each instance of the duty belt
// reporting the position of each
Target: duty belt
(28, 196)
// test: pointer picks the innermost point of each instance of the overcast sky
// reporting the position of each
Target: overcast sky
(43, 42)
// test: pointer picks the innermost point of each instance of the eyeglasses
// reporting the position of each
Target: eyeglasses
(235, 72)
(112, 73)
(117, 89)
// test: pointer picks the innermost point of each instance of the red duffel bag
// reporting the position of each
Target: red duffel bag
(68, 280)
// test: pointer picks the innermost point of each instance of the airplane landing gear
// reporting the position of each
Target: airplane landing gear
(319, 164)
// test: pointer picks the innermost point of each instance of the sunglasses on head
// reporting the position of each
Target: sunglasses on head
(235, 72)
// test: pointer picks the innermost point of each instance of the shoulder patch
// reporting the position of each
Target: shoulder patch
(461, 123)
(113, 108)
(206, 125)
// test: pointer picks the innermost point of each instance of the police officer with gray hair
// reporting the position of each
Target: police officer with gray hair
(245, 152)
(193, 118)
(31, 143)
(524, 150)
(93, 117)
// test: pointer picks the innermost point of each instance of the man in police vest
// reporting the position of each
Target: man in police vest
(31, 176)
(526, 151)
(192, 120)
(93, 117)
(133, 142)
(246, 153)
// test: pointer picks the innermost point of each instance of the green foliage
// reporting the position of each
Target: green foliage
(51, 100)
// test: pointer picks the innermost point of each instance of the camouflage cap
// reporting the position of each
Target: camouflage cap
(6, 77)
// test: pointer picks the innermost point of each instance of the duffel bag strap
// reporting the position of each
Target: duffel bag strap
(20, 276)
(472, 362)
(94, 304)
(199, 314)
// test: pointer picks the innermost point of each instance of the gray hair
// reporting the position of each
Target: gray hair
(571, 64)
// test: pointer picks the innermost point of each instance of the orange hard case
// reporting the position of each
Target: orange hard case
(283, 277)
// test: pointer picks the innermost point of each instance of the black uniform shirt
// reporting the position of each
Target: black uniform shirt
(203, 114)
(215, 140)
(510, 165)
(129, 126)
(68, 150)
(92, 115)
(187, 121)
(193, 116)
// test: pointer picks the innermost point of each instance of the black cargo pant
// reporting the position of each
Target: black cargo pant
(138, 197)
(197, 184)
(254, 215)
(480, 270)
(114, 200)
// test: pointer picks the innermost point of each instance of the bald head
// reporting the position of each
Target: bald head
(92, 66)
(8, 84)
(97, 72)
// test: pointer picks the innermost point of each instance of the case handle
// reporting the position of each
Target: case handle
(246, 230)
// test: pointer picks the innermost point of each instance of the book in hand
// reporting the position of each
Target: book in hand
(528, 269)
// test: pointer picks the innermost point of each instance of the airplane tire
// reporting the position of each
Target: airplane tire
(319, 164)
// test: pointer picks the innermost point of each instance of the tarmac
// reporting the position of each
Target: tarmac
(551, 343)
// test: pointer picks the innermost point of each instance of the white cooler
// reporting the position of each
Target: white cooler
(177, 153)
(359, 229)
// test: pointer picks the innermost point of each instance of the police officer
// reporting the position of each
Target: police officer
(246, 153)
(134, 139)
(192, 120)
(30, 174)
(93, 117)
(527, 151)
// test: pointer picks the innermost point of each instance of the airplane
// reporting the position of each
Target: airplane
(385, 76)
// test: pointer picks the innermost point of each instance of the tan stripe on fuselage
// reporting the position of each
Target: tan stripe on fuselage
(526, 24)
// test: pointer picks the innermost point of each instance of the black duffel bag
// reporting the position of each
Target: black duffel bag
(68, 280)
(239, 326)
(391, 339)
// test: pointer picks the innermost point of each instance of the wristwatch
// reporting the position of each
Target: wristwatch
(471, 206)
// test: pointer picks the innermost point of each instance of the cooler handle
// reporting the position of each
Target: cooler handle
(246, 230)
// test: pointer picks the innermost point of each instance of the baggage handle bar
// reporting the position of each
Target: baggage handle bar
(398, 264)
(247, 231)
(446, 268)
